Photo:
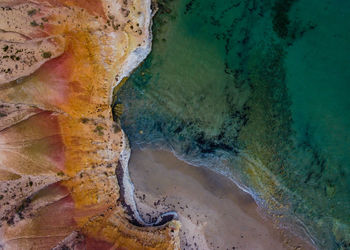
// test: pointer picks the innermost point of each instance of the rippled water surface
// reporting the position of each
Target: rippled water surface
(258, 90)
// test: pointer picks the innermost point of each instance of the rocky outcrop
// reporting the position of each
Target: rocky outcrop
(60, 149)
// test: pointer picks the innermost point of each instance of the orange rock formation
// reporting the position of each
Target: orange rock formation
(59, 146)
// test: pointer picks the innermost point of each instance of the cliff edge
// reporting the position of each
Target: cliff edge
(60, 151)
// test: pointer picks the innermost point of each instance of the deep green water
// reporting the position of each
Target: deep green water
(259, 91)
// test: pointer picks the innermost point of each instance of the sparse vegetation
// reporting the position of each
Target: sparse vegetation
(32, 12)
(34, 23)
(99, 130)
(84, 120)
(60, 173)
(46, 54)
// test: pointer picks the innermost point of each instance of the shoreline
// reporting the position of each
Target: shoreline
(163, 182)
(126, 187)
(127, 192)
(138, 55)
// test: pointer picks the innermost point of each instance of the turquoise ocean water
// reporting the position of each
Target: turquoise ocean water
(259, 91)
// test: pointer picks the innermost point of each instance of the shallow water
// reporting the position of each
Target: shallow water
(257, 90)
(163, 182)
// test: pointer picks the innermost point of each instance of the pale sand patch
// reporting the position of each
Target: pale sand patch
(214, 212)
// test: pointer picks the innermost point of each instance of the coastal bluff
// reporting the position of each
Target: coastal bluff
(61, 153)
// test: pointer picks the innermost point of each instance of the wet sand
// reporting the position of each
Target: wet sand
(214, 212)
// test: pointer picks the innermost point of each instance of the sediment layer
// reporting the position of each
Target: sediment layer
(59, 146)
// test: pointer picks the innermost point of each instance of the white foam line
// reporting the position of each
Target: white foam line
(140, 53)
(132, 62)
(129, 187)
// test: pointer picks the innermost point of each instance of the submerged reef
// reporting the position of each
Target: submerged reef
(63, 160)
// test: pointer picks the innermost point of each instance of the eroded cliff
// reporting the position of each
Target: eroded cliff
(60, 149)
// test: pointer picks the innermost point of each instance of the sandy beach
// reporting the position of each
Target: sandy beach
(214, 212)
